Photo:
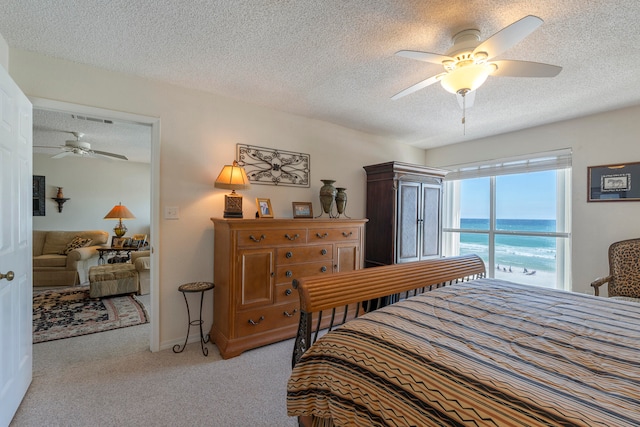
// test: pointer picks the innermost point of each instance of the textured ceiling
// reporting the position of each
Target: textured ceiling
(334, 60)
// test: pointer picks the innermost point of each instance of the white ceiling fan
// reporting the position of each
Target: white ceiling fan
(82, 149)
(468, 63)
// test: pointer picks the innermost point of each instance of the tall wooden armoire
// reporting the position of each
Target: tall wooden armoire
(404, 208)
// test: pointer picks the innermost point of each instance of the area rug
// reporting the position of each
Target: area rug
(69, 312)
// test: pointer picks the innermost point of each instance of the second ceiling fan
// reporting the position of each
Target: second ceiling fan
(468, 63)
(82, 149)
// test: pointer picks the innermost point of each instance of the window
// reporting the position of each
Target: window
(515, 215)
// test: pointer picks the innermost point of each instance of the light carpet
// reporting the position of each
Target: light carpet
(111, 379)
(69, 312)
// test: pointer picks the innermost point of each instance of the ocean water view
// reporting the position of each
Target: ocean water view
(523, 259)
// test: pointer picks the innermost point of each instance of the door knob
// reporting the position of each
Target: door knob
(9, 276)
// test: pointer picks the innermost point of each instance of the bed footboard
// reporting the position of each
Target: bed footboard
(346, 295)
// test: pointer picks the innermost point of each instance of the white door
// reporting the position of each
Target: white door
(16, 210)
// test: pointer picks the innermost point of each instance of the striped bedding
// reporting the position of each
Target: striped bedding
(480, 353)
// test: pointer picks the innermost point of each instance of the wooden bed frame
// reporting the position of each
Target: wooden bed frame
(347, 295)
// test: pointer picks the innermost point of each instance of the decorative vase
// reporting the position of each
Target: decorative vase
(341, 200)
(60, 195)
(327, 195)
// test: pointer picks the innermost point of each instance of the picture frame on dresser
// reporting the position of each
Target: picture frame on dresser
(302, 209)
(264, 208)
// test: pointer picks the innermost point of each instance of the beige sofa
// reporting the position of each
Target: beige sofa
(51, 268)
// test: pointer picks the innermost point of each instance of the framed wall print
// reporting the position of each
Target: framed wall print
(302, 209)
(38, 195)
(264, 208)
(614, 183)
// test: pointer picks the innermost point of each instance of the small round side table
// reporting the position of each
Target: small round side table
(201, 287)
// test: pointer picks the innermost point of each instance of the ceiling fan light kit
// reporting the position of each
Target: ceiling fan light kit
(467, 78)
(467, 64)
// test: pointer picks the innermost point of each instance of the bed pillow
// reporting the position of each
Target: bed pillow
(77, 242)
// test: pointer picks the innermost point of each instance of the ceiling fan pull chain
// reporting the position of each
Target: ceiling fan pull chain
(464, 111)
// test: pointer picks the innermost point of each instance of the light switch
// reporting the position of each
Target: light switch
(171, 212)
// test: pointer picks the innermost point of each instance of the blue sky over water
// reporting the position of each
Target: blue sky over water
(518, 196)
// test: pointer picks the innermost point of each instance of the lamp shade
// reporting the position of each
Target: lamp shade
(119, 212)
(232, 177)
(468, 78)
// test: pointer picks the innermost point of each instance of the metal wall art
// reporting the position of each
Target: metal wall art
(269, 166)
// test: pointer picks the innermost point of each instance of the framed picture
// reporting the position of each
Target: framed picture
(302, 209)
(38, 195)
(118, 242)
(264, 208)
(138, 241)
(614, 183)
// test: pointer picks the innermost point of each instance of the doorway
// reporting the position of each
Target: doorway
(80, 112)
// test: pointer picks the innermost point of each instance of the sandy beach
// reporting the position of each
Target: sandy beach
(540, 278)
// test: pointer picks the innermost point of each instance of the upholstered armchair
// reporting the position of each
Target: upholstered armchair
(624, 271)
(141, 260)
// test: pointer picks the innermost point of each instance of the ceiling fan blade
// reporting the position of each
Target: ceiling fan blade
(420, 85)
(469, 99)
(509, 36)
(61, 155)
(509, 68)
(433, 58)
(115, 156)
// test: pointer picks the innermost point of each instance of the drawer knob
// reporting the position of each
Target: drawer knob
(294, 237)
(288, 273)
(323, 252)
(288, 292)
(251, 322)
(322, 236)
(345, 234)
(286, 313)
(289, 254)
(323, 269)
(252, 237)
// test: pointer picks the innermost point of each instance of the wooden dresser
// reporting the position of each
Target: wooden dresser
(255, 261)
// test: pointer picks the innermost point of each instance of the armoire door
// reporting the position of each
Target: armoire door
(430, 221)
(409, 227)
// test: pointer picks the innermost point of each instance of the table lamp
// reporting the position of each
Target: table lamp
(119, 212)
(232, 177)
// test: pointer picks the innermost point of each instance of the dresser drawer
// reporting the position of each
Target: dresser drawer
(333, 234)
(286, 273)
(267, 318)
(256, 238)
(294, 255)
(285, 292)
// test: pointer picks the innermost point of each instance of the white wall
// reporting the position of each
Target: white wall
(93, 186)
(199, 132)
(608, 138)
(4, 53)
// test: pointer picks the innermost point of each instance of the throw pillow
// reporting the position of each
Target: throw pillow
(77, 242)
